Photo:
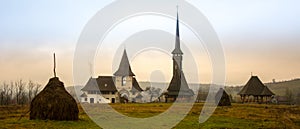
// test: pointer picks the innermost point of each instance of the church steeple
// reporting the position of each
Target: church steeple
(177, 49)
(177, 53)
(124, 68)
(178, 82)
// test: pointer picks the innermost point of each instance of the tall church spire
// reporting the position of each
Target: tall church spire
(177, 49)
(178, 83)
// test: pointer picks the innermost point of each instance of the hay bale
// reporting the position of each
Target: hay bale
(224, 98)
(54, 103)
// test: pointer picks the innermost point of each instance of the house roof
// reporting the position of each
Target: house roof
(83, 95)
(91, 85)
(221, 93)
(106, 83)
(124, 67)
(102, 83)
(255, 87)
(267, 92)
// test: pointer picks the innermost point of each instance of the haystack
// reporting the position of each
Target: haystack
(54, 103)
(224, 98)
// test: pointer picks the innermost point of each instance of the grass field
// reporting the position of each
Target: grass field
(236, 116)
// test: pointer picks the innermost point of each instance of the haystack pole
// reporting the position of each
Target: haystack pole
(54, 65)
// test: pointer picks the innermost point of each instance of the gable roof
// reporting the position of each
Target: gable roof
(83, 95)
(124, 67)
(255, 87)
(91, 85)
(106, 83)
(102, 83)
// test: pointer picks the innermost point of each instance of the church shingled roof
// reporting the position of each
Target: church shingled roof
(179, 84)
(124, 67)
(136, 86)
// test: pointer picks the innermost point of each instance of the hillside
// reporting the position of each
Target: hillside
(280, 88)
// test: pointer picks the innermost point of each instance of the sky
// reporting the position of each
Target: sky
(258, 37)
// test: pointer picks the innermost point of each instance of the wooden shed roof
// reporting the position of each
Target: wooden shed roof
(256, 88)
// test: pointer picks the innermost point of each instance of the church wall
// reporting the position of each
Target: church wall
(118, 83)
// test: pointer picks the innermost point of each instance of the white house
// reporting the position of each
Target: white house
(122, 87)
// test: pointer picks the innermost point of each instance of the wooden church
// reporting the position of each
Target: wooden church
(178, 89)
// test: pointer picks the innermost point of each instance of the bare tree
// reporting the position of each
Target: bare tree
(18, 92)
(10, 93)
(2, 94)
(5, 94)
(20, 89)
(37, 89)
(30, 87)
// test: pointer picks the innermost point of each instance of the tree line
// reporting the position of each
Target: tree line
(18, 92)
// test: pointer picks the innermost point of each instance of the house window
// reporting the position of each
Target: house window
(105, 85)
(124, 81)
(93, 92)
(104, 92)
(85, 99)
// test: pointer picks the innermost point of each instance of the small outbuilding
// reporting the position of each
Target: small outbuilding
(223, 97)
(255, 91)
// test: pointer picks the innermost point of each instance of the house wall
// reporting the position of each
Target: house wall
(110, 97)
(99, 98)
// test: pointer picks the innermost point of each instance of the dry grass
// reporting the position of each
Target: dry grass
(236, 116)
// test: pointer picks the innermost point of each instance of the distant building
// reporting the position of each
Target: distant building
(178, 88)
(281, 100)
(255, 91)
(222, 98)
(122, 87)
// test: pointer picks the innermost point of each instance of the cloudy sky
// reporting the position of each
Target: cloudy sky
(257, 36)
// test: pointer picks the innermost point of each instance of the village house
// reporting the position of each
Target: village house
(122, 87)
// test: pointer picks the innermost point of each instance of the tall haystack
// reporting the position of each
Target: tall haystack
(54, 103)
(224, 98)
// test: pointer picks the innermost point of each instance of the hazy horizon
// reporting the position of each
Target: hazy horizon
(259, 37)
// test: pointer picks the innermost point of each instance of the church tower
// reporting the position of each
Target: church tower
(177, 53)
(178, 88)
(125, 80)
(124, 75)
